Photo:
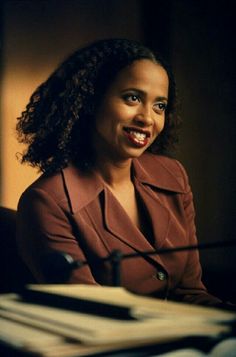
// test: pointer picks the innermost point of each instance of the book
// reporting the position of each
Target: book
(31, 322)
(126, 302)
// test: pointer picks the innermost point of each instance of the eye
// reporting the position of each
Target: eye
(131, 98)
(160, 107)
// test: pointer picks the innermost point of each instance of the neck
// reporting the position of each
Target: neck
(114, 173)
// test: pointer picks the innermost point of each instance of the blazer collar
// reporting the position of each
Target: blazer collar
(81, 187)
(159, 171)
(152, 170)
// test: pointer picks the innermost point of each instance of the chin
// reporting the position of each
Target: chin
(135, 153)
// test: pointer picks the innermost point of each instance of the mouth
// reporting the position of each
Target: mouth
(138, 137)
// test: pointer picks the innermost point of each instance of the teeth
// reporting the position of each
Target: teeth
(138, 136)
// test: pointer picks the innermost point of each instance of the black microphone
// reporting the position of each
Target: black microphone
(57, 266)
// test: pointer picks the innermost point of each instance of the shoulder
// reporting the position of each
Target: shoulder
(46, 185)
(163, 172)
(70, 189)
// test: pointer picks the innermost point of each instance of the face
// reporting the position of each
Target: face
(132, 112)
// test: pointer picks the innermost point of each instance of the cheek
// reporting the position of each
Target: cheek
(105, 124)
(111, 117)
(106, 116)
(160, 123)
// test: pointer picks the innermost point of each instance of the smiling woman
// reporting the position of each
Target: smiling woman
(132, 112)
(99, 129)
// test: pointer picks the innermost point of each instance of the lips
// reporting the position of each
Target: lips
(137, 136)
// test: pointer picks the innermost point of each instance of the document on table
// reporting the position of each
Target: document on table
(42, 328)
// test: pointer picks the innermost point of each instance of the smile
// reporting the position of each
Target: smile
(137, 137)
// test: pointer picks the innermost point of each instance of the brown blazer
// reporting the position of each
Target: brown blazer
(74, 212)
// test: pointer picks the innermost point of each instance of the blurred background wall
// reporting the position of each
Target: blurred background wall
(36, 37)
(197, 37)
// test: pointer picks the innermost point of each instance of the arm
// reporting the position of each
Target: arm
(43, 224)
(190, 288)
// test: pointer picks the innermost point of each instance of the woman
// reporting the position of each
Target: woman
(99, 129)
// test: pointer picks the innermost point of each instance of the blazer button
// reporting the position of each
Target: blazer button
(161, 275)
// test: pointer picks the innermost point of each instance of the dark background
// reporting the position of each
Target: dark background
(198, 38)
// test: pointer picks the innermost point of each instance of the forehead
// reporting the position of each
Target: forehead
(142, 74)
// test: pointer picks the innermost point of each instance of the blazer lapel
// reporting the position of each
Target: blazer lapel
(158, 214)
(81, 187)
(84, 188)
(119, 224)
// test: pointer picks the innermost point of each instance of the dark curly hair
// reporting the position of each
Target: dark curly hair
(63, 108)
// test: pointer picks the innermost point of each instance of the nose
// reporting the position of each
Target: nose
(144, 116)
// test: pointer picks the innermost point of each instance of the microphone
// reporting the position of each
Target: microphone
(57, 266)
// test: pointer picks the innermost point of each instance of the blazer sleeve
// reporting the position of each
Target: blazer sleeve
(191, 289)
(44, 225)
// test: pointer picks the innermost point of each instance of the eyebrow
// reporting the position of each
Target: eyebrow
(142, 92)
